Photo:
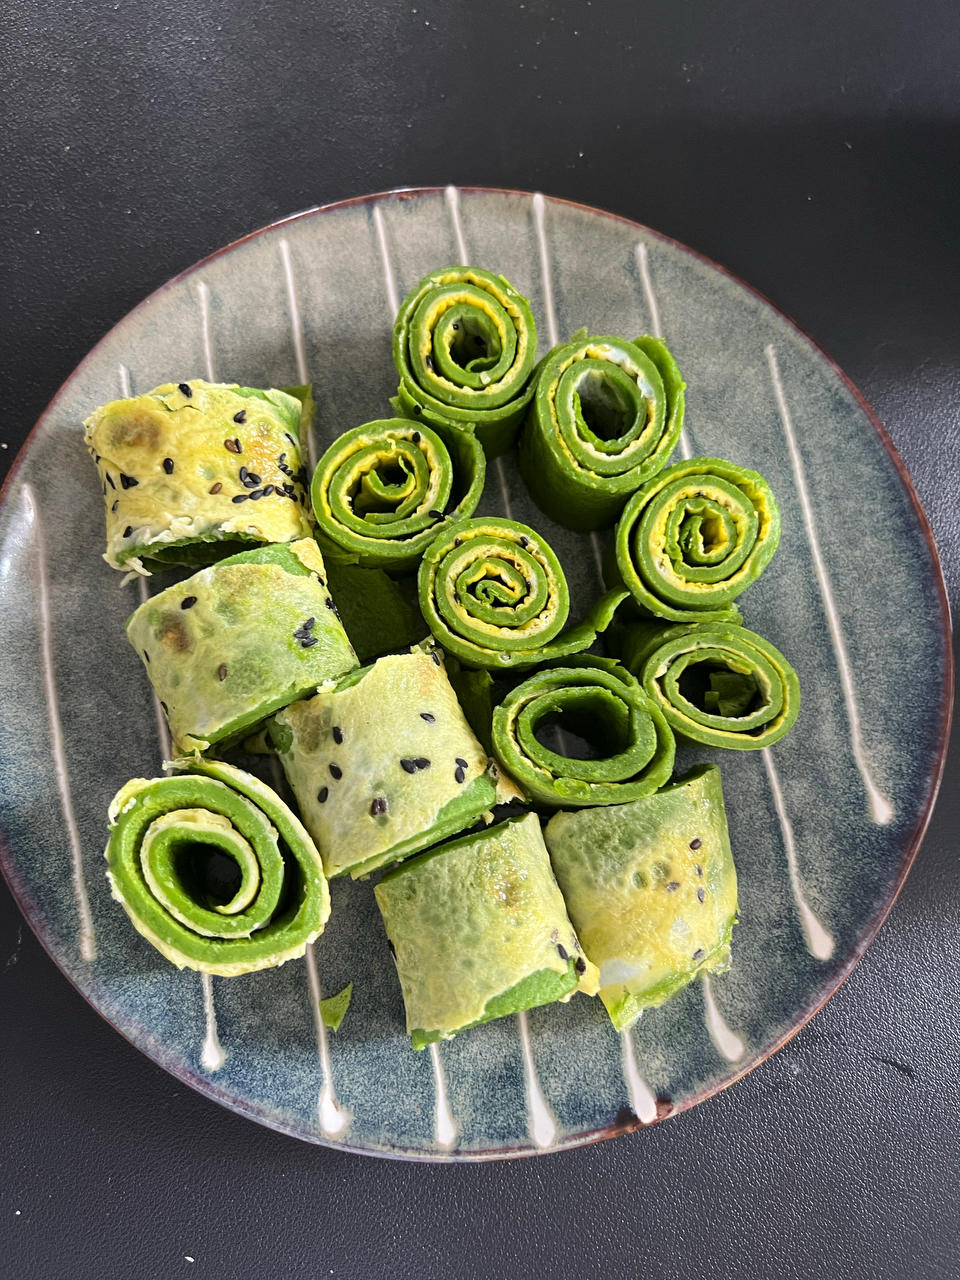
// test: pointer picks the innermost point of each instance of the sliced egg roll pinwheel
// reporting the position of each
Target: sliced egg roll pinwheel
(695, 537)
(383, 763)
(215, 870)
(718, 684)
(605, 417)
(602, 704)
(465, 347)
(381, 491)
(651, 889)
(228, 646)
(479, 930)
(193, 471)
(494, 595)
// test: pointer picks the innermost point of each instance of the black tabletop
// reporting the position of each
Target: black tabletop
(812, 149)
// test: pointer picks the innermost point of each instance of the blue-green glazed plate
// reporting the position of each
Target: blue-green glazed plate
(824, 826)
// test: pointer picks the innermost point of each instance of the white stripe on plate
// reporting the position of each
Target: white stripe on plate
(540, 1119)
(726, 1042)
(388, 278)
(445, 1127)
(334, 1119)
(213, 1056)
(642, 1102)
(296, 331)
(203, 297)
(88, 941)
(881, 810)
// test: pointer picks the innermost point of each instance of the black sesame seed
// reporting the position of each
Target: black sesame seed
(309, 641)
(187, 391)
(188, 602)
(164, 705)
(249, 478)
(337, 735)
(455, 325)
(408, 766)
(435, 514)
(290, 438)
(267, 490)
(240, 497)
(393, 949)
(673, 884)
(215, 488)
(168, 466)
(562, 951)
(288, 489)
(241, 416)
(524, 541)
(128, 482)
(222, 671)
(321, 579)
(699, 871)
(701, 894)
(322, 794)
(461, 762)
(336, 772)
(255, 494)
(429, 363)
(428, 716)
(243, 473)
(695, 844)
(309, 624)
(378, 805)
(110, 480)
(415, 437)
(146, 657)
(116, 503)
(128, 530)
(436, 657)
(281, 459)
(459, 775)
(417, 409)
(457, 542)
(580, 965)
(422, 762)
(698, 954)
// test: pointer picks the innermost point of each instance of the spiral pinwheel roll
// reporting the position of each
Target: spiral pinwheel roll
(226, 647)
(596, 700)
(215, 870)
(693, 538)
(479, 930)
(605, 418)
(651, 888)
(716, 683)
(193, 471)
(465, 346)
(381, 491)
(493, 593)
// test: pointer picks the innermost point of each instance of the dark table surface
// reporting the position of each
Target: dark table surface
(812, 149)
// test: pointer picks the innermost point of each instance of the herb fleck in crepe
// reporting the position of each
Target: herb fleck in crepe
(651, 889)
(479, 930)
(333, 1009)
(214, 870)
(193, 470)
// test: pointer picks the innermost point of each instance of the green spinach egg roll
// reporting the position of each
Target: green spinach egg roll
(651, 889)
(381, 490)
(479, 930)
(229, 645)
(383, 763)
(695, 537)
(605, 417)
(465, 347)
(631, 745)
(192, 471)
(718, 684)
(494, 595)
(215, 870)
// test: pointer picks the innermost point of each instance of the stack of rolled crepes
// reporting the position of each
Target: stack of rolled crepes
(413, 667)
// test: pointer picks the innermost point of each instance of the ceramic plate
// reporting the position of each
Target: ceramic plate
(824, 826)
